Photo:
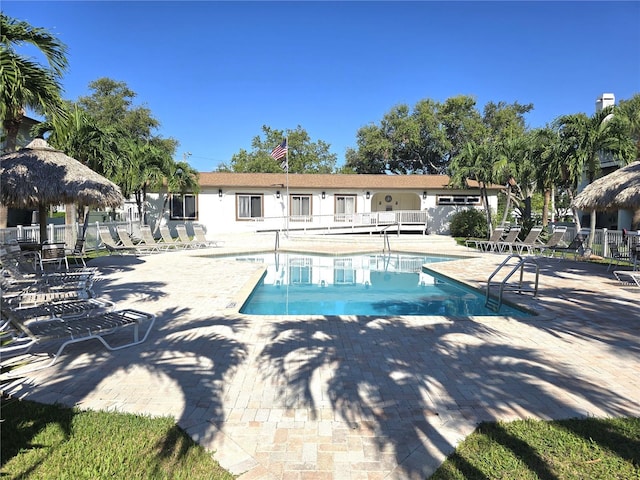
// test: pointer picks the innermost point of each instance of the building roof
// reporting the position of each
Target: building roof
(319, 180)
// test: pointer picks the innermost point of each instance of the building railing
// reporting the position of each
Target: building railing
(341, 221)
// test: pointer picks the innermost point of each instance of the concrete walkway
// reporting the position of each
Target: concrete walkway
(349, 397)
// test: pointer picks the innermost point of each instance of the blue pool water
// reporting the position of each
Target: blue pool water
(371, 284)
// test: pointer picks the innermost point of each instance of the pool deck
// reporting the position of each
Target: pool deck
(314, 397)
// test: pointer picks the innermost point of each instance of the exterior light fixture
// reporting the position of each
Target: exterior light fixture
(368, 195)
(278, 194)
(220, 193)
(323, 195)
(424, 195)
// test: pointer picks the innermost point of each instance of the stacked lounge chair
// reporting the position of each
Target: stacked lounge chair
(58, 309)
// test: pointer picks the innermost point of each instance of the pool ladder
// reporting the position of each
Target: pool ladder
(386, 246)
(494, 301)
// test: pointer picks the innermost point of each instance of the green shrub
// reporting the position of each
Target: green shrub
(468, 223)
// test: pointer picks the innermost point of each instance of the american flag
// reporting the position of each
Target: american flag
(280, 151)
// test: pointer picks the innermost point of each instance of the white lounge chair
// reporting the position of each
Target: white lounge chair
(24, 335)
(201, 237)
(168, 240)
(481, 244)
(148, 239)
(184, 238)
(553, 241)
(628, 277)
(110, 244)
(530, 242)
(140, 249)
(70, 308)
(576, 246)
(507, 242)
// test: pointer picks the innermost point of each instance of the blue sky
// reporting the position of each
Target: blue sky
(213, 73)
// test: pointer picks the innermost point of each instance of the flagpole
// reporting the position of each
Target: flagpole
(288, 202)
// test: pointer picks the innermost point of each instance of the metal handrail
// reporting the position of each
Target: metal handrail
(386, 247)
(496, 303)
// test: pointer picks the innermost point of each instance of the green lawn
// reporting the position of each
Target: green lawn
(582, 449)
(53, 442)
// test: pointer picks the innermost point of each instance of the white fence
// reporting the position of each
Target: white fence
(380, 221)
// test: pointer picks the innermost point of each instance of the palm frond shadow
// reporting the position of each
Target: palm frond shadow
(172, 355)
(402, 401)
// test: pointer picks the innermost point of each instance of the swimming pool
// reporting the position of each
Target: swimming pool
(371, 284)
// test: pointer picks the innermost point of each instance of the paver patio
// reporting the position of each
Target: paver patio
(314, 397)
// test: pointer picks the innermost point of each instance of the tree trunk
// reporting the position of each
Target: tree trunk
(71, 219)
(12, 127)
(507, 206)
(545, 207)
(574, 210)
(4, 214)
(487, 208)
(161, 216)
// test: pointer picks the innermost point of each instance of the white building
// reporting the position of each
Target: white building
(241, 202)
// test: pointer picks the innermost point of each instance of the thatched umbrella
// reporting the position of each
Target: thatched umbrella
(618, 190)
(38, 176)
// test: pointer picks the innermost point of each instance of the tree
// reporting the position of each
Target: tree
(111, 104)
(426, 139)
(629, 113)
(143, 166)
(138, 160)
(514, 168)
(586, 140)
(25, 83)
(181, 179)
(422, 140)
(76, 134)
(304, 155)
(545, 156)
(79, 136)
(475, 162)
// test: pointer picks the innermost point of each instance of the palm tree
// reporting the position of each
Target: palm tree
(544, 154)
(78, 136)
(512, 164)
(629, 111)
(475, 161)
(24, 83)
(586, 140)
(182, 178)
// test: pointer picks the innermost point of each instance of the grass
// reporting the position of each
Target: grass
(49, 441)
(532, 450)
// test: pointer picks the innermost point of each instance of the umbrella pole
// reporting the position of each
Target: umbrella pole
(42, 219)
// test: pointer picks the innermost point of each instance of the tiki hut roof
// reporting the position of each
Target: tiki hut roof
(41, 175)
(618, 190)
